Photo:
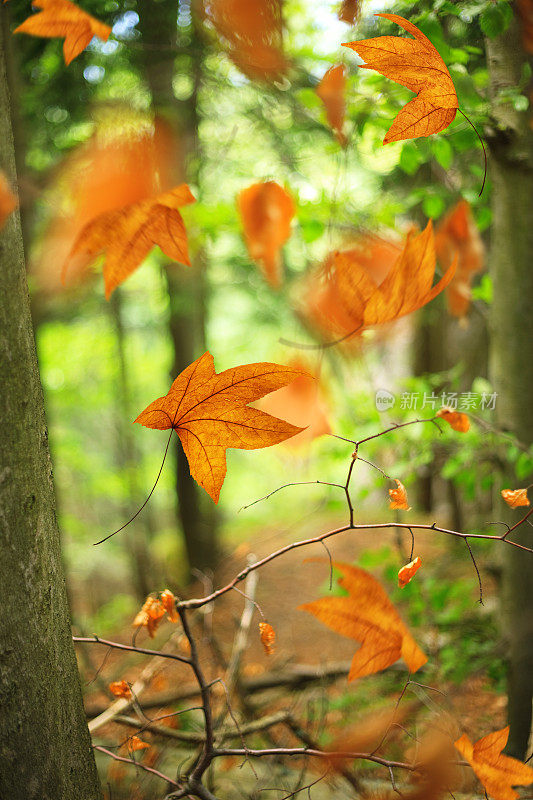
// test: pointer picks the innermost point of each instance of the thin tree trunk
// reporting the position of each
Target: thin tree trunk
(511, 165)
(45, 750)
(186, 287)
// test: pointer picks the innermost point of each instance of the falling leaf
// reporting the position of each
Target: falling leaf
(134, 744)
(457, 234)
(407, 572)
(168, 601)
(268, 637)
(252, 34)
(209, 411)
(497, 772)
(356, 293)
(331, 91)
(417, 65)
(128, 158)
(398, 497)
(323, 305)
(365, 735)
(120, 689)
(266, 211)
(150, 615)
(368, 616)
(457, 420)
(349, 11)
(406, 287)
(128, 234)
(300, 403)
(63, 19)
(515, 497)
(8, 201)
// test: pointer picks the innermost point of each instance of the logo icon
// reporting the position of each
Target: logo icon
(384, 400)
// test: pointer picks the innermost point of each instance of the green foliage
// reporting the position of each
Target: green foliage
(496, 18)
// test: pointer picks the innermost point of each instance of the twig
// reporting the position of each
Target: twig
(118, 645)
(397, 426)
(207, 750)
(298, 676)
(123, 703)
(189, 737)
(200, 601)
(286, 486)
(136, 764)
(304, 751)
(477, 571)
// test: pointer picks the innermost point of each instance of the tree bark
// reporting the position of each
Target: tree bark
(186, 287)
(45, 749)
(511, 169)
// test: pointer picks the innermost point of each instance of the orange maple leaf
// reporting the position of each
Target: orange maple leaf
(168, 601)
(407, 572)
(8, 201)
(209, 412)
(349, 11)
(368, 616)
(300, 403)
(498, 773)
(134, 744)
(61, 18)
(120, 689)
(457, 234)
(406, 287)
(515, 497)
(417, 65)
(331, 91)
(323, 304)
(252, 33)
(266, 211)
(268, 637)
(126, 160)
(457, 420)
(366, 735)
(128, 234)
(150, 615)
(398, 497)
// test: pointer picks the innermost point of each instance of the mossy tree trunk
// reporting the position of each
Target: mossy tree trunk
(511, 166)
(45, 749)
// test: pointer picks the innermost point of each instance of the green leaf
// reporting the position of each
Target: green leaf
(410, 158)
(433, 206)
(483, 291)
(312, 230)
(495, 19)
(443, 152)
(523, 466)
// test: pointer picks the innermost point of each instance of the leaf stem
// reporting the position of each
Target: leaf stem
(482, 145)
(152, 490)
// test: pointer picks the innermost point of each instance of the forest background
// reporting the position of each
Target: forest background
(102, 362)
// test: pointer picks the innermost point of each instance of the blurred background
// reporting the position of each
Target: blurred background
(223, 96)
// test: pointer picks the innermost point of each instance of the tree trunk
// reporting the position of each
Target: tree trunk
(45, 749)
(511, 167)
(186, 287)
